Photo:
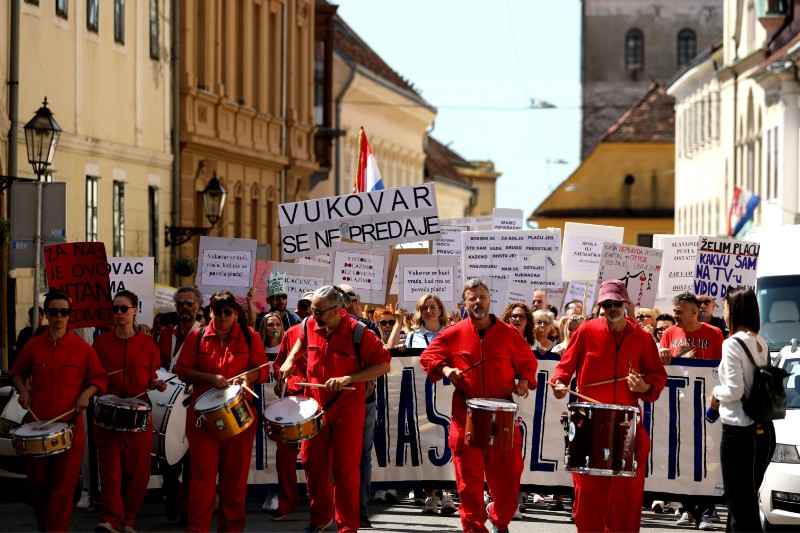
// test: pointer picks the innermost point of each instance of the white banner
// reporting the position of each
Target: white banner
(638, 266)
(724, 262)
(135, 274)
(583, 245)
(677, 266)
(226, 265)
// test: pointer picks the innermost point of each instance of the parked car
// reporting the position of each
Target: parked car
(779, 496)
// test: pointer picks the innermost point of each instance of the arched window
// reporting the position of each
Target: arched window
(634, 49)
(687, 46)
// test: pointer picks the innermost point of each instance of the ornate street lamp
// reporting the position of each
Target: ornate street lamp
(213, 203)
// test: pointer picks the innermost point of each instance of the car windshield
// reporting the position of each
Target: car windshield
(779, 304)
(792, 383)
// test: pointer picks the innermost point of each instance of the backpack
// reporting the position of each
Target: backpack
(767, 399)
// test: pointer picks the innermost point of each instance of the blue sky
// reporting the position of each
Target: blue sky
(480, 63)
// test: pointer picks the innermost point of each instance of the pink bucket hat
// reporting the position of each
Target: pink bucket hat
(613, 289)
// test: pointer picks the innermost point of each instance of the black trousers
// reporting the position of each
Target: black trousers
(745, 453)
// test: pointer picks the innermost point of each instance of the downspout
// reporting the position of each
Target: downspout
(338, 185)
(284, 69)
(735, 128)
(176, 140)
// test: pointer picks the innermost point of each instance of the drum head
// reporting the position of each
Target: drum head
(291, 410)
(216, 398)
(124, 403)
(32, 429)
(491, 404)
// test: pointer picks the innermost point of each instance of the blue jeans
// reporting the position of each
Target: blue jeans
(366, 453)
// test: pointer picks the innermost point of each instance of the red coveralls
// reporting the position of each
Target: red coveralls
(341, 437)
(608, 503)
(506, 354)
(59, 372)
(230, 457)
(286, 454)
(124, 456)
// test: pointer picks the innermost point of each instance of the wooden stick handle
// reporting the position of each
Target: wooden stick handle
(115, 372)
(470, 367)
(321, 385)
(56, 419)
(248, 371)
(34, 415)
(606, 381)
(248, 389)
(579, 395)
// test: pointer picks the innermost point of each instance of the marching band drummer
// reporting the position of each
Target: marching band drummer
(210, 356)
(124, 456)
(610, 347)
(482, 338)
(65, 373)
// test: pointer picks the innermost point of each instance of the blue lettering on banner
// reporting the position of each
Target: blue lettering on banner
(538, 464)
(698, 423)
(380, 441)
(407, 430)
(647, 422)
(443, 421)
(672, 386)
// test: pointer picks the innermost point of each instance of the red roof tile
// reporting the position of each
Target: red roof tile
(441, 162)
(652, 119)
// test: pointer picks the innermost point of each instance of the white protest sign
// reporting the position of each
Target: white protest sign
(482, 223)
(319, 260)
(226, 264)
(365, 268)
(298, 279)
(677, 267)
(519, 291)
(449, 243)
(526, 255)
(638, 266)
(384, 217)
(135, 274)
(723, 262)
(583, 245)
(583, 291)
(164, 299)
(505, 218)
(421, 274)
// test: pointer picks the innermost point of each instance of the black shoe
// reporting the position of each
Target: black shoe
(173, 511)
(364, 522)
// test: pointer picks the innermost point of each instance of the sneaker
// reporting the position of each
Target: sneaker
(538, 498)
(271, 503)
(277, 516)
(391, 496)
(363, 522)
(380, 495)
(430, 505)
(494, 528)
(448, 507)
(685, 520)
(714, 517)
(313, 528)
(419, 499)
(522, 497)
(705, 524)
(105, 527)
(658, 506)
(84, 501)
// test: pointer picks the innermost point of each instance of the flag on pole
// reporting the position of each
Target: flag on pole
(743, 207)
(368, 177)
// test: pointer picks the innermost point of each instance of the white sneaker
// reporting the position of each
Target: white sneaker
(380, 495)
(431, 505)
(685, 520)
(84, 501)
(486, 498)
(705, 524)
(448, 507)
(657, 506)
(273, 505)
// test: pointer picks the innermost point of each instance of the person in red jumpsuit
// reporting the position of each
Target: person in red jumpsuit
(607, 348)
(483, 337)
(332, 362)
(124, 456)
(209, 357)
(64, 374)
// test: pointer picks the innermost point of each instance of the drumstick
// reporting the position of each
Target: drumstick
(579, 395)
(479, 363)
(606, 381)
(154, 388)
(115, 372)
(248, 371)
(56, 419)
(321, 385)
(34, 415)
(248, 389)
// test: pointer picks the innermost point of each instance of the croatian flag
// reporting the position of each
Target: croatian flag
(742, 208)
(368, 177)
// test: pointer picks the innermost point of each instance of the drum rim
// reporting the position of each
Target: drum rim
(508, 405)
(609, 406)
(295, 399)
(218, 406)
(140, 404)
(601, 471)
(52, 427)
(317, 415)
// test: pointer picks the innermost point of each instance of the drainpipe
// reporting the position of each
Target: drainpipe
(176, 118)
(284, 70)
(338, 100)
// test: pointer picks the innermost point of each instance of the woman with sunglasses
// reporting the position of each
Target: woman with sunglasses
(211, 357)
(131, 358)
(64, 374)
(646, 318)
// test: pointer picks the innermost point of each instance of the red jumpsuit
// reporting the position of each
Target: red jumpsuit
(59, 372)
(596, 353)
(507, 355)
(124, 456)
(286, 454)
(341, 437)
(230, 457)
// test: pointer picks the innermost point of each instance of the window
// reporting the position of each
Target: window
(319, 83)
(155, 50)
(92, 185)
(152, 208)
(119, 21)
(32, 2)
(687, 46)
(93, 15)
(62, 8)
(119, 219)
(644, 239)
(634, 50)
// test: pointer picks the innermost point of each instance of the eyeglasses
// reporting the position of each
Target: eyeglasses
(387, 322)
(120, 309)
(661, 330)
(706, 302)
(517, 317)
(543, 323)
(219, 311)
(187, 303)
(54, 312)
(317, 312)
(642, 317)
(611, 303)
(552, 338)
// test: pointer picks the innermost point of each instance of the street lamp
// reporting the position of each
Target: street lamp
(41, 139)
(213, 203)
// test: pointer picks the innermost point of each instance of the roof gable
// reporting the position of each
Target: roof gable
(650, 120)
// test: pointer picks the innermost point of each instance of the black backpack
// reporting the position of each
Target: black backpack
(767, 399)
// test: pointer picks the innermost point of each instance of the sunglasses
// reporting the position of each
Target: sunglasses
(187, 303)
(642, 317)
(705, 302)
(387, 322)
(317, 312)
(552, 338)
(219, 311)
(54, 312)
(120, 309)
(614, 303)
(661, 330)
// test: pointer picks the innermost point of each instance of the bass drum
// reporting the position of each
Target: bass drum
(169, 419)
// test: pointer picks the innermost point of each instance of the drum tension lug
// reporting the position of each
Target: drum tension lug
(606, 454)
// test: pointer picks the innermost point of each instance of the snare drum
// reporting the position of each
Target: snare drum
(34, 442)
(169, 419)
(601, 439)
(293, 419)
(490, 423)
(224, 412)
(122, 414)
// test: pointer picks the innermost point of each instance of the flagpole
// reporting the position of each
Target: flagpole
(356, 184)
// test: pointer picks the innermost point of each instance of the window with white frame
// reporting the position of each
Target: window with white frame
(62, 8)
(118, 219)
(92, 208)
(119, 21)
(93, 15)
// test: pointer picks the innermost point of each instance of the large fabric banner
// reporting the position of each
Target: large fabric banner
(413, 422)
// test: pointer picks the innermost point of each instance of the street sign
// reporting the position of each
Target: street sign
(23, 220)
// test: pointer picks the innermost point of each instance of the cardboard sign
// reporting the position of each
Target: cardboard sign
(226, 264)
(297, 279)
(482, 223)
(384, 217)
(504, 218)
(583, 291)
(422, 274)
(164, 298)
(583, 246)
(135, 274)
(323, 260)
(677, 266)
(638, 266)
(80, 269)
(723, 262)
(365, 268)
